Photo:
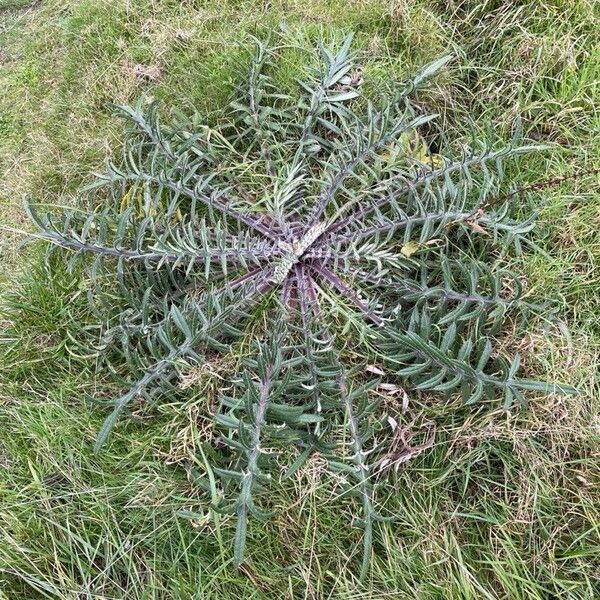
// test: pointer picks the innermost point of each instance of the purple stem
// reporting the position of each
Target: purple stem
(433, 174)
(426, 291)
(209, 201)
(355, 236)
(347, 291)
(286, 292)
(248, 220)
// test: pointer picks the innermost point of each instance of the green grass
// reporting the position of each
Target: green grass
(504, 506)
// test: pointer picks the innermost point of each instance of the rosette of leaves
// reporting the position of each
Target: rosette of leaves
(317, 225)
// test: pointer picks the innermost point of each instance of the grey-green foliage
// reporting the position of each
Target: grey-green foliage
(314, 223)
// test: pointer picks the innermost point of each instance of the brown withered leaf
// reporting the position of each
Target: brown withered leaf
(477, 227)
(401, 450)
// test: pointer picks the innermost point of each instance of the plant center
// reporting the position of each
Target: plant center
(295, 251)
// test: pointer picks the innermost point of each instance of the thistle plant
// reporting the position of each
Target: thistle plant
(311, 235)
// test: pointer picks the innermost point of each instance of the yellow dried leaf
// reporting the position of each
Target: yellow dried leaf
(125, 200)
(143, 211)
(422, 156)
(437, 161)
(409, 249)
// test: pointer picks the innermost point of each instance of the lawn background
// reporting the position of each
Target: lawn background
(505, 505)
